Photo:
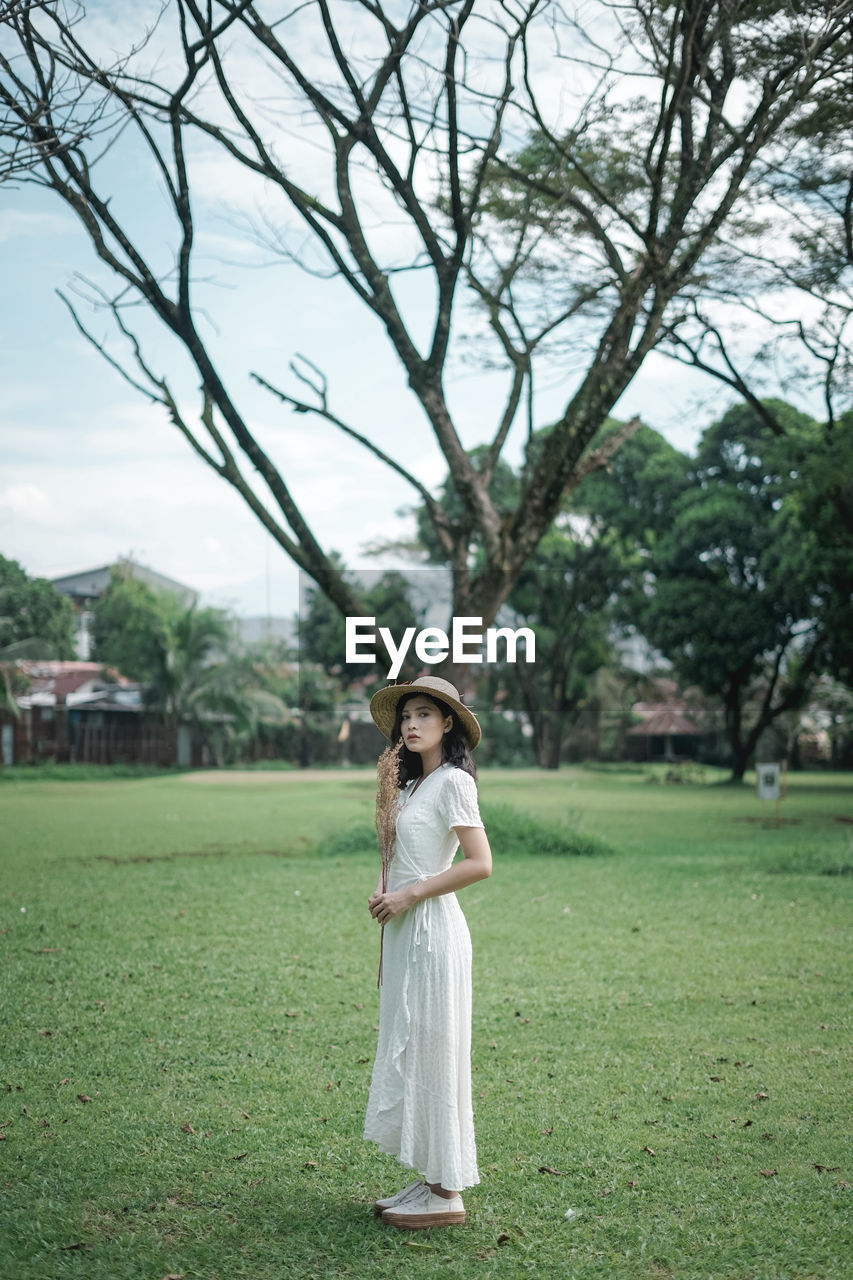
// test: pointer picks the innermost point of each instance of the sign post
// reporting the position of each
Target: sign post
(771, 781)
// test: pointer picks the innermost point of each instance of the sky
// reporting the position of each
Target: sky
(91, 471)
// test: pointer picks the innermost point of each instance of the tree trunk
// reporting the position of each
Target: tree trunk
(734, 724)
(548, 751)
(740, 759)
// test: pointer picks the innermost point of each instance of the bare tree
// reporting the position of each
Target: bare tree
(649, 122)
(792, 287)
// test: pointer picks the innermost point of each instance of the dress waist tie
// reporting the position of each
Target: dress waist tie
(423, 918)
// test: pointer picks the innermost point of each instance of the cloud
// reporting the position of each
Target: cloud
(15, 223)
(24, 498)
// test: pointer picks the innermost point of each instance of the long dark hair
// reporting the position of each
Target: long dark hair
(454, 744)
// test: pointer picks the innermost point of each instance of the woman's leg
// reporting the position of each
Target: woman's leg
(438, 1189)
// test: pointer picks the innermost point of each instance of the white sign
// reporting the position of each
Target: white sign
(769, 781)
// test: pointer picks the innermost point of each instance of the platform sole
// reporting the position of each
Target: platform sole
(420, 1221)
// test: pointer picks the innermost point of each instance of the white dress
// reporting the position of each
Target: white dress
(419, 1108)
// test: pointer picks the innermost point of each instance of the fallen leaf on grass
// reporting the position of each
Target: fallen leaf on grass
(651, 1153)
(762, 1097)
(310, 1164)
(715, 1077)
(827, 1168)
(560, 1173)
(633, 1184)
(547, 1131)
(83, 1097)
(768, 1173)
(257, 1182)
(186, 1127)
(2, 1137)
(504, 1237)
(67, 1080)
(45, 1032)
(240, 1157)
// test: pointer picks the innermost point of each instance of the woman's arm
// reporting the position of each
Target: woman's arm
(476, 865)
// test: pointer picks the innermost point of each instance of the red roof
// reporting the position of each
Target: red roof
(62, 678)
(662, 719)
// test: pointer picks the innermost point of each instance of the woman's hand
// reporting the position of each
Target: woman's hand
(385, 906)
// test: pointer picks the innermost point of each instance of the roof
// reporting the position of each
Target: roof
(662, 719)
(63, 679)
(115, 697)
(89, 584)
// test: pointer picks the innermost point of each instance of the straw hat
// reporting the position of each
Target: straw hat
(383, 705)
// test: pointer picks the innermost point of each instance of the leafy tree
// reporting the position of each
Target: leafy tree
(227, 701)
(635, 496)
(563, 595)
(33, 613)
(620, 208)
(131, 623)
(731, 588)
(823, 499)
(187, 659)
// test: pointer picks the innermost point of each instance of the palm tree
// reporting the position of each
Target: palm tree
(200, 681)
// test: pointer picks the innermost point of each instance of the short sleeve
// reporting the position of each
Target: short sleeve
(457, 803)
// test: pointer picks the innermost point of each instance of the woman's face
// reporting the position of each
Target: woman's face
(422, 724)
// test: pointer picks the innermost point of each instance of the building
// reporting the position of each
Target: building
(83, 713)
(88, 585)
(665, 730)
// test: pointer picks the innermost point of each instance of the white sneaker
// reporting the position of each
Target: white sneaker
(391, 1201)
(425, 1209)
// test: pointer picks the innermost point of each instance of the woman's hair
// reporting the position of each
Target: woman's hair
(454, 744)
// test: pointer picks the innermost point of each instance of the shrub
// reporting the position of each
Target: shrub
(511, 831)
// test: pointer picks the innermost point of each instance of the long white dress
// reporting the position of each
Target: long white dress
(419, 1108)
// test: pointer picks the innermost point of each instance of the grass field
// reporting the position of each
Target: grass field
(188, 1025)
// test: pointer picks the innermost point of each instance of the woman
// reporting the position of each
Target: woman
(420, 1094)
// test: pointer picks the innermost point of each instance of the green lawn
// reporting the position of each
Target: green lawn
(659, 1037)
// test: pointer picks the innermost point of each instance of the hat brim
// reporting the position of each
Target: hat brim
(383, 708)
